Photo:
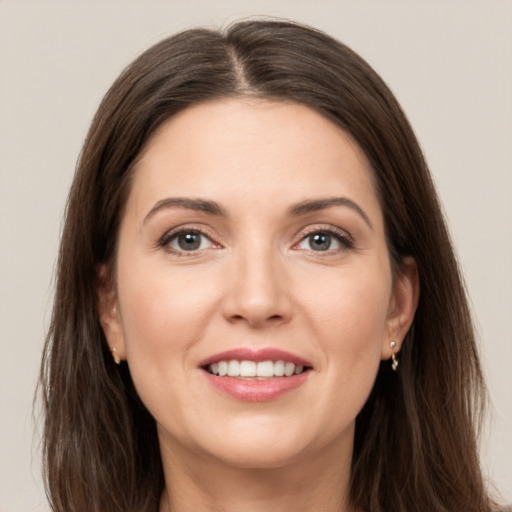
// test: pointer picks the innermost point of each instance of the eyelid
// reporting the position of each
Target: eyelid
(163, 241)
(342, 235)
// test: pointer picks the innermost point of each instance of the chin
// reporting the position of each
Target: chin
(259, 457)
(261, 446)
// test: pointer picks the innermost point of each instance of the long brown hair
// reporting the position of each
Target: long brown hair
(415, 442)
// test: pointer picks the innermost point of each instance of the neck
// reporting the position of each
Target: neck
(201, 484)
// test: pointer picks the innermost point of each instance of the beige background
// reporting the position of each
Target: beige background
(449, 62)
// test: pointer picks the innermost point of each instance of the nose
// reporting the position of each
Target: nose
(258, 292)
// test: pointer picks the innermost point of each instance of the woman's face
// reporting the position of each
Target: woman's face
(253, 243)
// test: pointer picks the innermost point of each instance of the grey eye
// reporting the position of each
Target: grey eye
(319, 241)
(189, 241)
(324, 241)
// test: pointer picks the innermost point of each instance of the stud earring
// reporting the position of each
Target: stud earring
(115, 357)
(394, 360)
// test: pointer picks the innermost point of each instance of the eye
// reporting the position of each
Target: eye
(324, 240)
(189, 240)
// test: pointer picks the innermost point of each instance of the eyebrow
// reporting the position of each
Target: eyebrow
(213, 208)
(200, 205)
(321, 204)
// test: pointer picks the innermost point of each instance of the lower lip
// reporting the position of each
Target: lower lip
(256, 390)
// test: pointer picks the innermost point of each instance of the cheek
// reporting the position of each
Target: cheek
(350, 321)
(163, 315)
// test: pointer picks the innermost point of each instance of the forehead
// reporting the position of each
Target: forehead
(251, 148)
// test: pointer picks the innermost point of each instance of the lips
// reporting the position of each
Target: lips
(255, 375)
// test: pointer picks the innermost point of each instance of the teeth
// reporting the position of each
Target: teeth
(279, 368)
(233, 369)
(248, 369)
(289, 369)
(265, 369)
(223, 368)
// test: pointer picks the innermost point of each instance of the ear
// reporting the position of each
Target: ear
(402, 306)
(108, 311)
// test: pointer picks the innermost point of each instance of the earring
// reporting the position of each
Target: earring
(115, 357)
(394, 360)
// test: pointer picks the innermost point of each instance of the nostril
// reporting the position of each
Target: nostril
(256, 320)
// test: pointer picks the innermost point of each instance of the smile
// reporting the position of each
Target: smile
(255, 370)
(256, 375)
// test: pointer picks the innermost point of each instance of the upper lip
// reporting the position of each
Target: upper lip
(256, 355)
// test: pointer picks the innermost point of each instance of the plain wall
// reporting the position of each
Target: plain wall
(449, 63)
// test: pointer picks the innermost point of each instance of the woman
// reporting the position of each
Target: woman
(258, 306)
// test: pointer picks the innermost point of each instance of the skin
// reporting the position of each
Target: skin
(255, 281)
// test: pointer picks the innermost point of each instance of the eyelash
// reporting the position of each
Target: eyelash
(165, 241)
(342, 237)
